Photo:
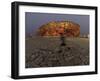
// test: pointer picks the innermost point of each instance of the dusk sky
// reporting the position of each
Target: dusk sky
(34, 20)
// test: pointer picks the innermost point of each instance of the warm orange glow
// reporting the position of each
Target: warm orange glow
(67, 28)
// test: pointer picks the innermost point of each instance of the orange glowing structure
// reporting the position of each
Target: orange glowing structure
(68, 28)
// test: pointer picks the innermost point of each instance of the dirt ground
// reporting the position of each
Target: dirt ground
(47, 52)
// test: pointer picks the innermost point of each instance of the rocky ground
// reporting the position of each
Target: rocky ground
(47, 52)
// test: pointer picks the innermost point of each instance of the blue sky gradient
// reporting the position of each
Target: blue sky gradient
(34, 20)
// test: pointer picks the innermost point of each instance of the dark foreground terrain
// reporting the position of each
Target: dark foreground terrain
(47, 52)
